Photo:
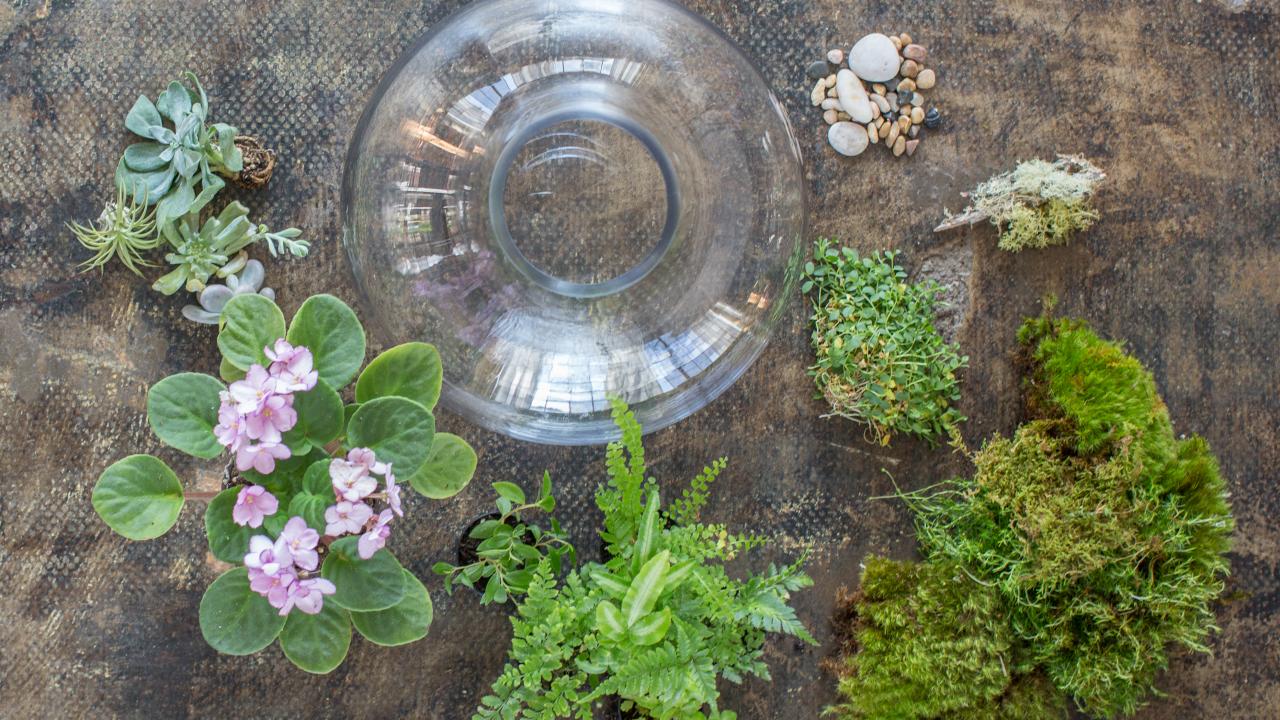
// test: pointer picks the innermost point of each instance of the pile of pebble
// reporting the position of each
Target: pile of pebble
(877, 96)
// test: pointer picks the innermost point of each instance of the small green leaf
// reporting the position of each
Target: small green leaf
(182, 410)
(347, 411)
(402, 623)
(228, 372)
(645, 588)
(319, 416)
(142, 117)
(399, 431)
(145, 156)
(250, 323)
(236, 620)
(363, 585)
(311, 508)
(174, 102)
(138, 497)
(411, 370)
(647, 531)
(332, 332)
(228, 541)
(652, 628)
(317, 480)
(317, 643)
(609, 619)
(447, 470)
(510, 491)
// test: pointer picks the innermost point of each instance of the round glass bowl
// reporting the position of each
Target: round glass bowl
(575, 199)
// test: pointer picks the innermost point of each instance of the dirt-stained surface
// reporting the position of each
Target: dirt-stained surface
(1177, 100)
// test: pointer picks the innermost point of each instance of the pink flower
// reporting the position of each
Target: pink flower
(346, 518)
(274, 587)
(267, 557)
(393, 492)
(261, 457)
(252, 505)
(351, 482)
(230, 429)
(291, 367)
(276, 416)
(307, 596)
(299, 542)
(365, 458)
(250, 393)
(376, 538)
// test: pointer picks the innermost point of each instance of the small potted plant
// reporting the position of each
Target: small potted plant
(498, 549)
(317, 486)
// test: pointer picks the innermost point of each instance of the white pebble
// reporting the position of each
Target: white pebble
(847, 138)
(853, 98)
(874, 58)
(831, 104)
(835, 57)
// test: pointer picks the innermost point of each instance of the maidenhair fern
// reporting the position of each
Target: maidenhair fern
(656, 625)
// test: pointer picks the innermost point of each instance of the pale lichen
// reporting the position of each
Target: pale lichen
(1035, 205)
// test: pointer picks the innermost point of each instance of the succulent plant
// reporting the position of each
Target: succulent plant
(243, 277)
(125, 229)
(173, 162)
(203, 250)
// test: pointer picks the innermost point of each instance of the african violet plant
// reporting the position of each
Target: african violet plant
(658, 623)
(508, 546)
(880, 360)
(307, 517)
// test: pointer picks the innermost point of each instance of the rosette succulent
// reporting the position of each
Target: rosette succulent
(176, 167)
(125, 229)
(200, 251)
(243, 277)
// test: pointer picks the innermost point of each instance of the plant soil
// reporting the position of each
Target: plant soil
(259, 162)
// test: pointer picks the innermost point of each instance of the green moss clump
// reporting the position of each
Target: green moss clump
(1101, 532)
(932, 643)
(879, 359)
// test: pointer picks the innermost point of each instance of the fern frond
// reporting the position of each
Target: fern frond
(688, 508)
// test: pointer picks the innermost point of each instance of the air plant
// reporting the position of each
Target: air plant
(243, 277)
(173, 162)
(125, 229)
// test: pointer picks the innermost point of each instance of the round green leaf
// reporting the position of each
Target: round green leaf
(182, 410)
(250, 323)
(227, 541)
(228, 372)
(317, 643)
(236, 620)
(448, 468)
(138, 497)
(363, 585)
(333, 334)
(398, 430)
(319, 416)
(317, 480)
(412, 370)
(402, 623)
(311, 508)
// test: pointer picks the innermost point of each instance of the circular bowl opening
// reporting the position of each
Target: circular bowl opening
(575, 200)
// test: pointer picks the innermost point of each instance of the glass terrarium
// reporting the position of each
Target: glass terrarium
(572, 200)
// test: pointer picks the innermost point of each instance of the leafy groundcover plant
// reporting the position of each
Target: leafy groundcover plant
(507, 546)
(880, 361)
(1086, 545)
(317, 487)
(656, 624)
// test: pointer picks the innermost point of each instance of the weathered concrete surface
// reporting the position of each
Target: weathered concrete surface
(1176, 99)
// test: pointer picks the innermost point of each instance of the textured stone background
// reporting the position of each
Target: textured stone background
(1177, 99)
